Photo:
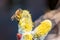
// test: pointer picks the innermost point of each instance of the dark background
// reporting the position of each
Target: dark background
(8, 29)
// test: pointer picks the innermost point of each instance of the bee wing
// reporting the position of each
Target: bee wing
(17, 15)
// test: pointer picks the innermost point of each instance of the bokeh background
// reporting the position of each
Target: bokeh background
(8, 29)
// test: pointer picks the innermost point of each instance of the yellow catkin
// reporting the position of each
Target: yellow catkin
(28, 37)
(26, 22)
(43, 28)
